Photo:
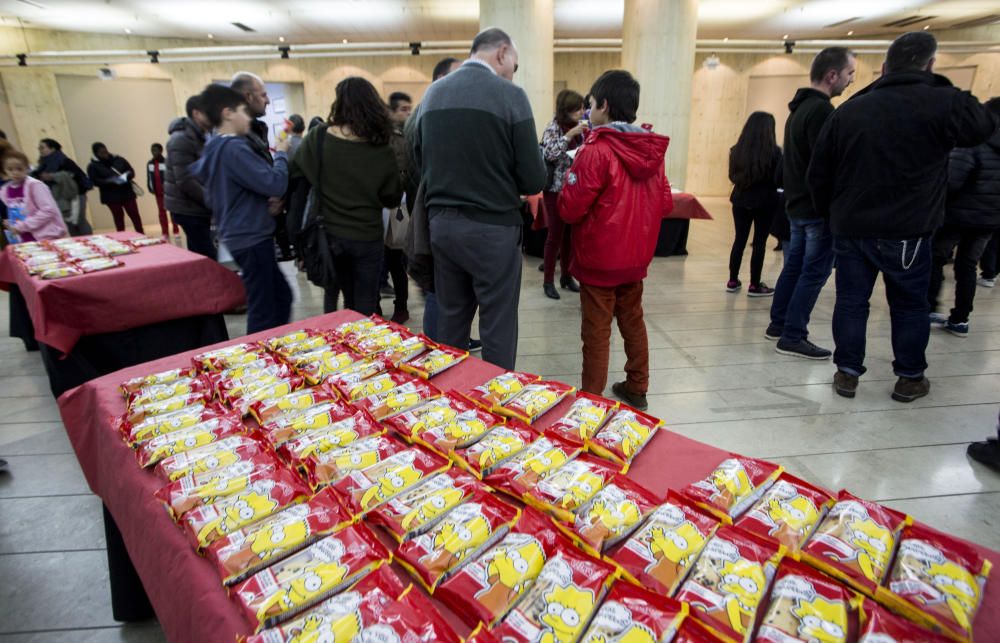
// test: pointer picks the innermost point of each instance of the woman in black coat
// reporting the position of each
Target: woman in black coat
(113, 177)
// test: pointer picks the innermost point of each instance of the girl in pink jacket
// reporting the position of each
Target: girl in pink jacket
(32, 213)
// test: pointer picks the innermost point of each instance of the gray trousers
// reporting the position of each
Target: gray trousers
(477, 264)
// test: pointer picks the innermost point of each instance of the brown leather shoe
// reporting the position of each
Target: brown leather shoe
(845, 384)
(634, 400)
(908, 389)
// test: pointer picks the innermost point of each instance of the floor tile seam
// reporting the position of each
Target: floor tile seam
(803, 415)
(27, 455)
(117, 626)
(2, 422)
(782, 359)
(943, 495)
(54, 495)
(52, 551)
(873, 450)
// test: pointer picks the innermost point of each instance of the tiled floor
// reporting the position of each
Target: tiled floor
(715, 379)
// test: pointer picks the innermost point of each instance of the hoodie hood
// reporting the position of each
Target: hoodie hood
(805, 94)
(177, 124)
(640, 151)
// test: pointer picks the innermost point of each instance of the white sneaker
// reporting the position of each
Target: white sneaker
(986, 283)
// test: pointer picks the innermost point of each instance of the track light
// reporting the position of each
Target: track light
(789, 46)
(284, 51)
(154, 56)
(415, 48)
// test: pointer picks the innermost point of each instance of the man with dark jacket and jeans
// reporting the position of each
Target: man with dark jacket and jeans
(184, 194)
(475, 144)
(879, 172)
(809, 252)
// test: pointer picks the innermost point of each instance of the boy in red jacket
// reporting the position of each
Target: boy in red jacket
(615, 195)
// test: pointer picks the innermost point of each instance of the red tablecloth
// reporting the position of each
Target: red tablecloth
(156, 284)
(185, 589)
(687, 206)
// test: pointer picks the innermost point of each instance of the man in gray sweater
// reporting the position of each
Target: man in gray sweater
(475, 144)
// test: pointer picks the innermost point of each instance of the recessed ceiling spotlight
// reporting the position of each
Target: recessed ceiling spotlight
(725, 40)
(281, 39)
(785, 37)
(210, 36)
(344, 41)
(850, 33)
(926, 27)
(127, 30)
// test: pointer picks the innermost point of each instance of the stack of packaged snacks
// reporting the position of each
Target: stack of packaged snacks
(164, 377)
(316, 365)
(225, 453)
(432, 414)
(521, 472)
(435, 361)
(806, 605)
(347, 379)
(142, 241)
(222, 358)
(633, 614)
(198, 434)
(534, 400)
(499, 390)
(332, 466)
(585, 417)
(337, 435)
(467, 428)
(68, 257)
(408, 395)
(563, 490)
(500, 443)
(735, 484)
(365, 380)
(289, 425)
(610, 515)
(879, 625)
(296, 401)
(624, 435)
(788, 512)
(416, 510)
(365, 489)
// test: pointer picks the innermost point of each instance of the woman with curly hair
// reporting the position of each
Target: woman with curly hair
(355, 177)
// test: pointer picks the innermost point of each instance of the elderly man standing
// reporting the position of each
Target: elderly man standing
(475, 144)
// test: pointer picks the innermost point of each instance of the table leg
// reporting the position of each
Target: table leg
(129, 602)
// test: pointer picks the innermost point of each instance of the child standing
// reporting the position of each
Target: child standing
(32, 213)
(238, 182)
(615, 195)
(156, 168)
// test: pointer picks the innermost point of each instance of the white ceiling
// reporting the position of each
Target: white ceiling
(301, 21)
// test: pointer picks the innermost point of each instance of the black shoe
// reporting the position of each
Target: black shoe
(845, 384)
(773, 333)
(987, 453)
(541, 267)
(633, 400)
(475, 346)
(568, 283)
(550, 291)
(802, 348)
(908, 389)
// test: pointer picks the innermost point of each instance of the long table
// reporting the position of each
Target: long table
(184, 589)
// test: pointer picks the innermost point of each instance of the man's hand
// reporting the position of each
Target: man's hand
(283, 145)
(275, 206)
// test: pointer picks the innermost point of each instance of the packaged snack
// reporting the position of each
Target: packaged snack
(624, 435)
(382, 383)
(434, 362)
(159, 392)
(806, 606)
(660, 553)
(499, 390)
(583, 419)
(292, 424)
(163, 377)
(487, 587)
(235, 388)
(363, 490)
(937, 580)
(882, 626)
(345, 380)
(560, 602)
(398, 400)
(734, 486)
(222, 358)
(274, 343)
(225, 453)
(349, 328)
(59, 271)
(379, 342)
(418, 509)
(316, 366)
(246, 551)
(564, 490)
(467, 530)
(242, 370)
(197, 435)
(208, 487)
(143, 241)
(855, 542)
(269, 391)
(433, 413)
(633, 614)
(730, 579)
(522, 471)
(611, 515)
(534, 400)
(324, 439)
(500, 443)
(97, 263)
(694, 631)
(329, 467)
(261, 498)
(159, 418)
(466, 428)
(407, 350)
(788, 512)
(266, 410)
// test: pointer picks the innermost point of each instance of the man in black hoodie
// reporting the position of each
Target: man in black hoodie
(809, 252)
(184, 195)
(879, 172)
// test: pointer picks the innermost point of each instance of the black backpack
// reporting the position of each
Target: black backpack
(310, 240)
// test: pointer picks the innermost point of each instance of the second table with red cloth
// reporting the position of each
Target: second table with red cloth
(687, 206)
(184, 588)
(157, 283)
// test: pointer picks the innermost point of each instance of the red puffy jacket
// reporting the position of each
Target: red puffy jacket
(615, 195)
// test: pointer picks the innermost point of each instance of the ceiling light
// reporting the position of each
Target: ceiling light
(785, 37)
(127, 30)
(927, 27)
(210, 36)
(850, 33)
(725, 40)
(344, 41)
(281, 39)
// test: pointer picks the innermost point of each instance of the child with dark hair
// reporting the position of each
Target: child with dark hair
(615, 195)
(32, 213)
(156, 169)
(238, 183)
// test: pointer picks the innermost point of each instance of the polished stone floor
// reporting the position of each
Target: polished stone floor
(715, 378)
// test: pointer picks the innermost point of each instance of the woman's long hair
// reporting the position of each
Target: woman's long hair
(567, 102)
(752, 158)
(359, 107)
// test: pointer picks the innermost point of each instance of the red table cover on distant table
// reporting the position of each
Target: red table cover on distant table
(687, 206)
(184, 588)
(157, 283)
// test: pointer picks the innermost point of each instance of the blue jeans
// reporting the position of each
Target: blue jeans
(269, 297)
(431, 315)
(808, 263)
(905, 265)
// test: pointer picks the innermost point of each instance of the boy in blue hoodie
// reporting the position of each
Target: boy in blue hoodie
(237, 185)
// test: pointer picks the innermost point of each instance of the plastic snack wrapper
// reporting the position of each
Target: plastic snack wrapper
(159, 392)
(268, 391)
(433, 413)
(882, 626)
(807, 606)
(39, 267)
(298, 582)
(234, 388)
(522, 471)
(434, 362)
(245, 551)
(534, 400)
(630, 613)
(585, 416)
(59, 271)
(693, 630)
(362, 490)
(242, 370)
(381, 383)
(659, 554)
(330, 466)
(171, 414)
(142, 242)
(788, 512)
(937, 580)
(164, 377)
(377, 343)
(350, 328)
(208, 487)
(222, 358)
(418, 509)
(328, 438)
(225, 453)
(561, 601)
(855, 542)
(347, 379)
(292, 424)
(275, 343)
(735, 484)
(500, 443)
(730, 580)
(259, 499)
(499, 390)
(96, 264)
(486, 588)
(564, 490)
(466, 428)
(624, 435)
(197, 435)
(611, 515)
(294, 351)
(266, 410)
(398, 400)
(315, 366)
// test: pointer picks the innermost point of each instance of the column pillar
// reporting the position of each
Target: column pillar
(530, 25)
(658, 43)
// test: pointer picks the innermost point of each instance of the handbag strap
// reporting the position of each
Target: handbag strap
(316, 197)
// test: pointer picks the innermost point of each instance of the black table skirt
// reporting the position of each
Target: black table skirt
(673, 237)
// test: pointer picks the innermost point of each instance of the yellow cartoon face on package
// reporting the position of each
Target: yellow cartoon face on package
(872, 546)
(462, 531)
(742, 586)
(566, 610)
(673, 549)
(237, 511)
(399, 476)
(497, 445)
(300, 584)
(435, 504)
(320, 628)
(615, 514)
(730, 478)
(959, 588)
(512, 565)
(821, 620)
(796, 511)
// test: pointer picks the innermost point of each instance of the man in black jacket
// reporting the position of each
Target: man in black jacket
(879, 172)
(113, 177)
(184, 194)
(809, 252)
(971, 217)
